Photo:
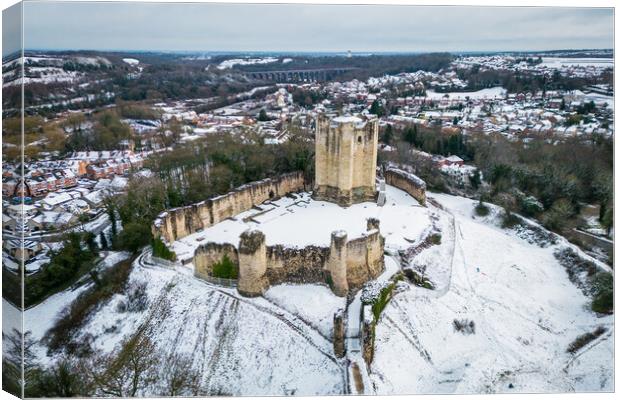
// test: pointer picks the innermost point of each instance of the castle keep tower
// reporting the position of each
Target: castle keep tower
(346, 159)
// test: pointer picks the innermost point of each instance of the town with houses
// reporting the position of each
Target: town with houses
(64, 193)
(75, 189)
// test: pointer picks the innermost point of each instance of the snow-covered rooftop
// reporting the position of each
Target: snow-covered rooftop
(347, 120)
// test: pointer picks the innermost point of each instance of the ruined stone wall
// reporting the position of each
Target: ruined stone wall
(364, 259)
(336, 263)
(211, 253)
(368, 335)
(339, 335)
(252, 264)
(345, 159)
(408, 182)
(179, 222)
(293, 265)
(345, 265)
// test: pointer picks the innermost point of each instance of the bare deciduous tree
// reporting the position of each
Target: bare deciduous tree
(129, 370)
(180, 378)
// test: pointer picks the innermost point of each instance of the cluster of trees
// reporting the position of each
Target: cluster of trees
(135, 368)
(530, 60)
(193, 173)
(34, 93)
(105, 130)
(106, 133)
(161, 250)
(176, 80)
(377, 108)
(39, 136)
(134, 110)
(546, 178)
(76, 257)
(136, 209)
(435, 141)
(516, 82)
(422, 166)
(550, 180)
(307, 97)
(581, 113)
(72, 65)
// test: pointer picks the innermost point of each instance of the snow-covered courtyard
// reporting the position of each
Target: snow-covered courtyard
(302, 221)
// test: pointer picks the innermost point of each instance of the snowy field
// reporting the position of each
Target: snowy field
(525, 310)
(491, 93)
(303, 221)
(46, 75)
(131, 61)
(558, 62)
(600, 100)
(245, 61)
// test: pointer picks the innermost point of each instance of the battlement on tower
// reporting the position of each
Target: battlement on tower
(346, 159)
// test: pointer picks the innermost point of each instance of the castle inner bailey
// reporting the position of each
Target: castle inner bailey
(346, 159)
(408, 182)
(345, 265)
(179, 222)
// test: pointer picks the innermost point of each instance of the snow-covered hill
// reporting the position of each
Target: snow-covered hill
(525, 312)
(238, 345)
(518, 307)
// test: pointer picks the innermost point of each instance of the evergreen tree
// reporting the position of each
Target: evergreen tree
(377, 108)
(262, 115)
(161, 250)
(89, 238)
(103, 241)
(607, 220)
(475, 179)
(110, 209)
(410, 135)
(387, 135)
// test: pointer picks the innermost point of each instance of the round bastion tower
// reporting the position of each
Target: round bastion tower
(346, 159)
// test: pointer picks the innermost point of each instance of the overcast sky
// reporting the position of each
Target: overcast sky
(277, 27)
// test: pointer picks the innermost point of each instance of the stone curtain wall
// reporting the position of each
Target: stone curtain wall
(179, 222)
(364, 259)
(408, 182)
(345, 265)
(293, 265)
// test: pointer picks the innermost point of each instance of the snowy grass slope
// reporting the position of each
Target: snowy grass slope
(314, 303)
(262, 348)
(526, 313)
